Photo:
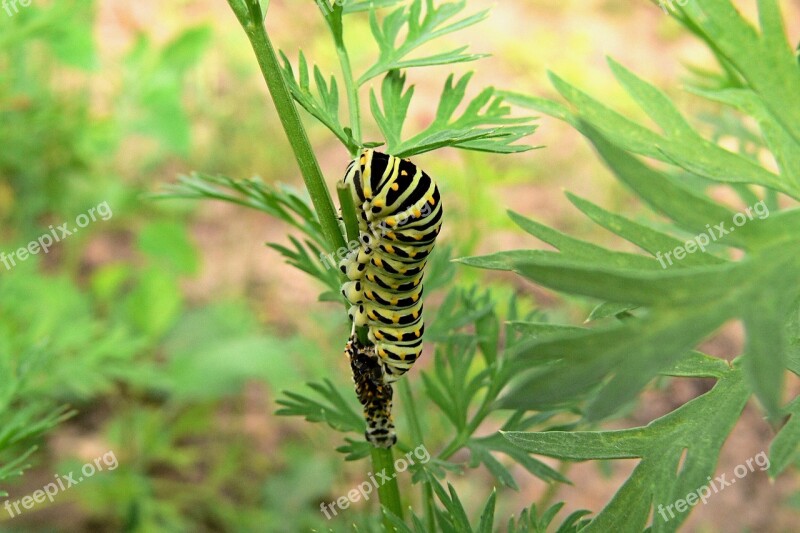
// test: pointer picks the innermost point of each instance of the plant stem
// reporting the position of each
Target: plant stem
(351, 228)
(290, 119)
(348, 211)
(416, 437)
(352, 93)
(334, 19)
(389, 492)
(250, 17)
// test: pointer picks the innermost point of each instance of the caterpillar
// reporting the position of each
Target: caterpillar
(399, 213)
(373, 393)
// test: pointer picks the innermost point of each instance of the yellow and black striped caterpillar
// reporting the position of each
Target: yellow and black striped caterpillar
(399, 216)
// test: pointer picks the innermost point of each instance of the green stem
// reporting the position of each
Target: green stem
(250, 17)
(348, 211)
(407, 398)
(334, 19)
(351, 228)
(352, 92)
(290, 119)
(389, 492)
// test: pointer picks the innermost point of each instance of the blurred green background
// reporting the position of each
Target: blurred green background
(169, 329)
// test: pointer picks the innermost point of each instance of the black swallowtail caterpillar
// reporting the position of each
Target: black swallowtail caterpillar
(399, 216)
(373, 393)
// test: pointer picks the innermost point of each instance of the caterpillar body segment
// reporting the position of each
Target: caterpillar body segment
(399, 213)
(373, 393)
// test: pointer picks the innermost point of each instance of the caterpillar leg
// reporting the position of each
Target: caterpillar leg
(373, 393)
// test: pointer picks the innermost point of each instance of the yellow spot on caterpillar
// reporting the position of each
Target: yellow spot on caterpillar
(379, 335)
(371, 315)
(431, 200)
(378, 203)
(367, 193)
(416, 332)
(412, 253)
(404, 173)
(391, 235)
(415, 297)
(389, 249)
(391, 221)
(415, 314)
(382, 352)
(394, 301)
(417, 213)
(363, 160)
(395, 187)
(378, 261)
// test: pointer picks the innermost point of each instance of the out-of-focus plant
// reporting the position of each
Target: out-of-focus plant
(72, 335)
(657, 310)
(56, 150)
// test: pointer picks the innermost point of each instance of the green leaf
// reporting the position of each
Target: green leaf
(609, 309)
(280, 201)
(168, 243)
(419, 29)
(698, 365)
(659, 479)
(484, 125)
(322, 103)
(765, 60)
(530, 521)
(456, 518)
(482, 455)
(335, 410)
(487, 516)
(678, 143)
(687, 148)
(646, 238)
(356, 6)
(785, 447)
(580, 250)
(677, 321)
(395, 107)
(775, 136)
(186, 50)
(155, 303)
(482, 448)
(72, 40)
